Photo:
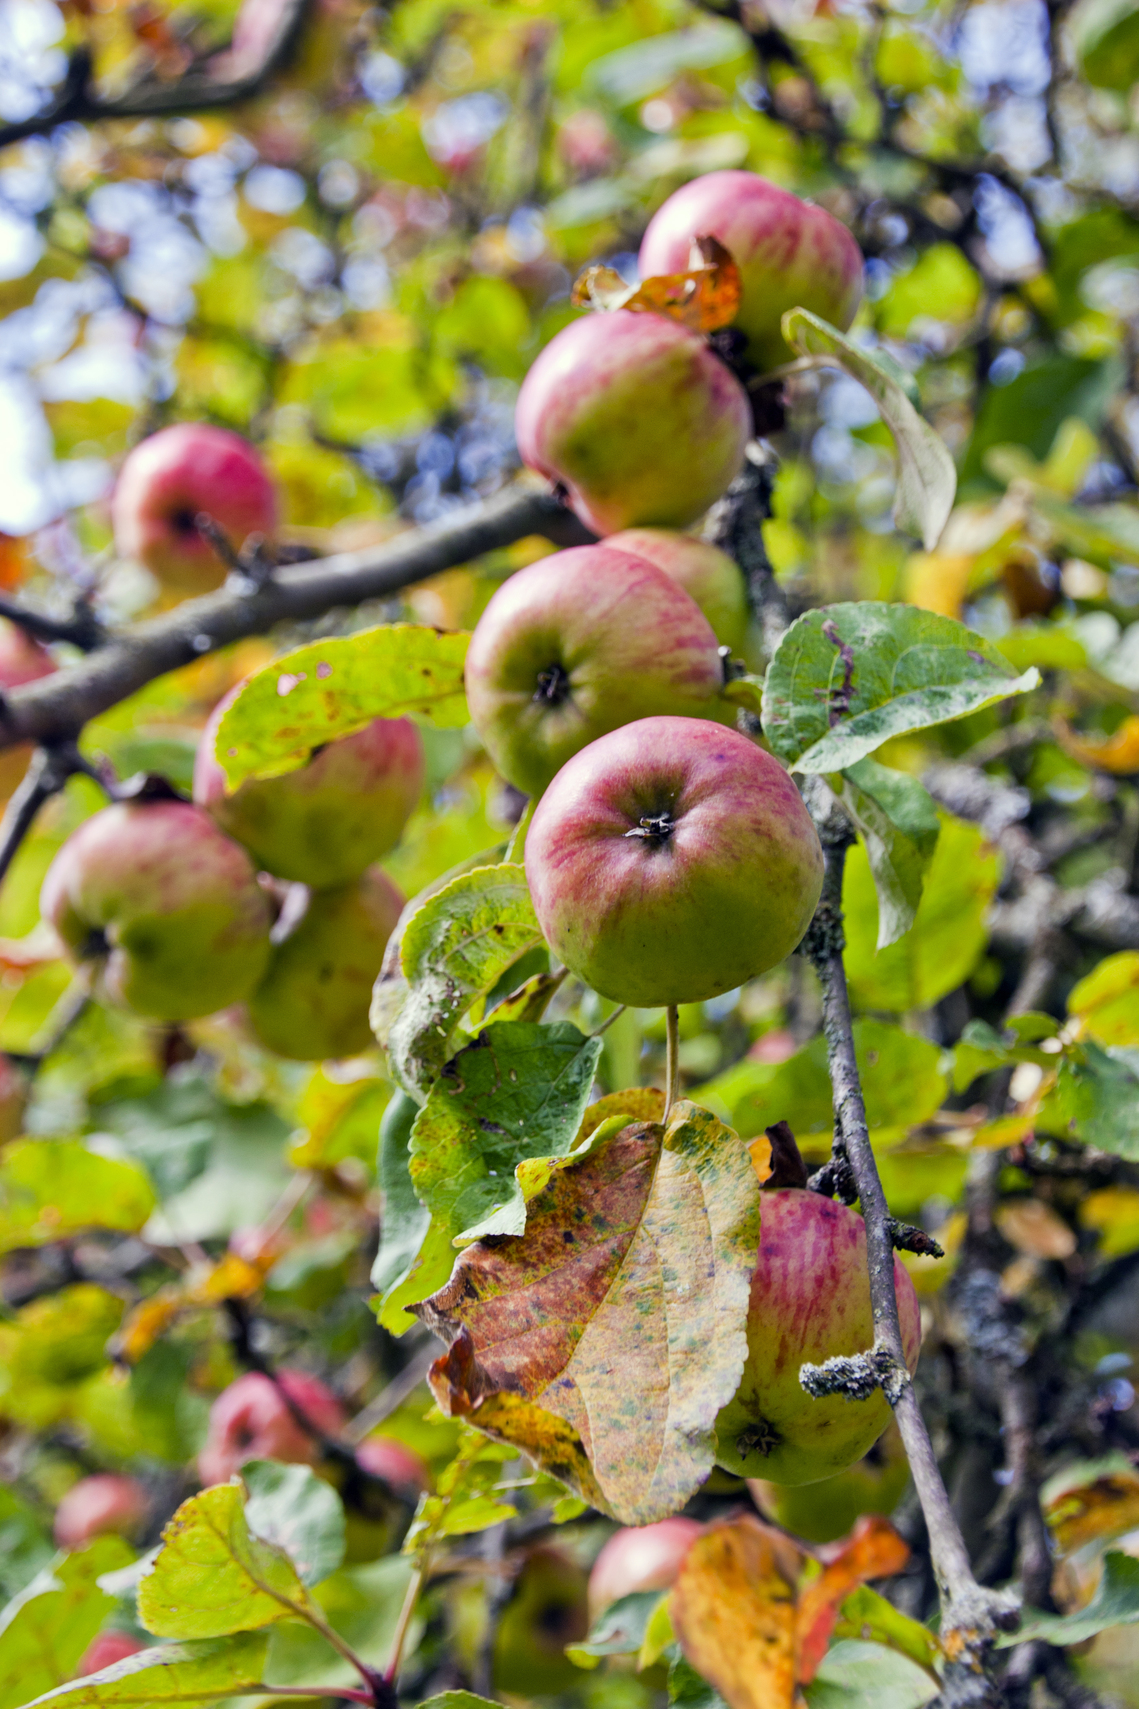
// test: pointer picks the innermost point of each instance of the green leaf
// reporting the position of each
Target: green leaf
(620, 1631)
(1115, 1603)
(1107, 1000)
(457, 1700)
(403, 1220)
(213, 1576)
(170, 1673)
(362, 1604)
(949, 933)
(898, 823)
(867, 1615)
(688, 1689)
(576, 1344)
(846, 678)
(52, 1188)
(855, 1675)
(927, 476)
(332, 688)
(455, 948)
(502, 1111)
(901, 1074)
(45, 1630)
(979, 1050)
(290, 1507)
(1096, 1099)
(1105, 34)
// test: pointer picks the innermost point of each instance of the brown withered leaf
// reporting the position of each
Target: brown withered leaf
(733, 1611)
(620, 1312)
(1096, 1511)
(703, 299)
(872, 1550)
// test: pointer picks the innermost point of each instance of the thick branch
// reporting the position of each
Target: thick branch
(196, 92)
(971, 1615)
(56, 708)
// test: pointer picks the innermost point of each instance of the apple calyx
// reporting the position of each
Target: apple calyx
(654, 827)
(553, 686)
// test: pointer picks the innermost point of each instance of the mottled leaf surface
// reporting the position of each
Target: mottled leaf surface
(501, 1109)
(733, 1611)
(604, 1341)
(897, 821)
(846, 678)
(197, 1672)
(212, 1576)
(332, 688)
(927, 475)
(455, 948)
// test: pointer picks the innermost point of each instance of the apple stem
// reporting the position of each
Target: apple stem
(671, 1059)
(608, 1021)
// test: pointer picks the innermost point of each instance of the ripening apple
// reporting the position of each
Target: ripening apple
(790, 253)
(824, 1511)
(105, 1502)
(251, 1420)
(671, 861)
(313, 1001)
(640, 1557)
(107, 1649)
(810, 1301)
(578, 644)
(21, 660)
(636, 418)
(705, 573)
(397, 1464)
(167, 907)
(327, 821)
(164, 485)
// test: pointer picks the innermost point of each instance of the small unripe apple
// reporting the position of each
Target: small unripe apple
(705, 573)
(324, 823)
(671, 861)
(251, 1420)
(105, 1502)
(790, 253)
(547, 1611)
(578, 644)
(107, 1649)
(164, 485)
(636, 418)
(640, 1557)
(313, 1001)
(21, 660)
(824, 1511)
(397, 1464)
(810, 1301)
(169, 906)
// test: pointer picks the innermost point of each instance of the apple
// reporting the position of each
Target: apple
(105, 1502)
(107, 1649)
(810, 1301)
(824, 1511)
(705, 573)
(324, 823)
(790, 253)
(577, 644)
(168, 906)
(640, 1557)
(398, 1465)
(636, 418)
(671, 861)
(547, 1610)
(313, 1001)
(251, 1420)
(167, 481)
(21, 660)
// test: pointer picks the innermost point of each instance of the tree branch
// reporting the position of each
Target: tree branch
(55, 708)
(153, 98)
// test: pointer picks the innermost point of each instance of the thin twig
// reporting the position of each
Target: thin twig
(608, 1021)
(82, 629)
(394, 1395)
(403, 1625)
(48, 771)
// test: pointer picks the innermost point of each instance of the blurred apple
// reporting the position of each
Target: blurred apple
(104, 1502)
(251, 1420)
(107, 1649)
(22, 660)
(397, 1464)
(548, 1610)
(706, 574)
(640, 1557)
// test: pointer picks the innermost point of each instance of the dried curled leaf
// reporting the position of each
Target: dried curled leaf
(1117, 753)
(604, 1340)
(703, 299)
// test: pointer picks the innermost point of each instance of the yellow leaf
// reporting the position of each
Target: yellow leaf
(1105, 1507)
(733, 1610)
(1035, 1229)
(1114, 1213)
(1117, 753)
(704, 298)
(938, 581)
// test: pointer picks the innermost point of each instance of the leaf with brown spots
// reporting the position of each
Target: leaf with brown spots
(1093, 1510)
(703, 299)
(621, 1311)
(733, 1611)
